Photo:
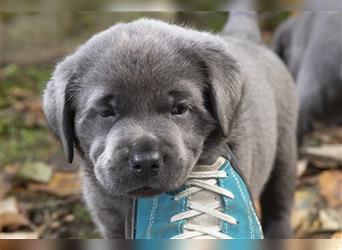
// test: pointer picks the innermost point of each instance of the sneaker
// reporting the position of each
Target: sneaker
(215, 203)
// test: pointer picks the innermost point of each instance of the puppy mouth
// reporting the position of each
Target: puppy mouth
(145, 192)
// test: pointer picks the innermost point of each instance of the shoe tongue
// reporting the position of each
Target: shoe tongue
(205, 197)
(213, 167)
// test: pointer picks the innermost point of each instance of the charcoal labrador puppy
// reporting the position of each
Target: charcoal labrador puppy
(310, 45)
(144, 102)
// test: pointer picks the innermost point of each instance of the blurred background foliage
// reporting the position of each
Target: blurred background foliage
(159, 5)
(22, 129)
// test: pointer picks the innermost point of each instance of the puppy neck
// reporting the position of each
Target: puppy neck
(212, 152)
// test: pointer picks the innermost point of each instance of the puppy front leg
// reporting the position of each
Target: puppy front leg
(277, 197)
(109, 221)
(107, 212)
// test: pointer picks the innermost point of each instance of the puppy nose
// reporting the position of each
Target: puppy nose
(145, 162)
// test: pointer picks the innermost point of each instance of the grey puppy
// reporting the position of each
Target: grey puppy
(144, 102)
(310, 45)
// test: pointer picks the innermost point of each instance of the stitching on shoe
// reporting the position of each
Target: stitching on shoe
(182, 222)
(151, 221)
(224, 198)
(246, 205)
(257, 221)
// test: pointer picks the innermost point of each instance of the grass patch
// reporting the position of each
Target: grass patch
(21, 140)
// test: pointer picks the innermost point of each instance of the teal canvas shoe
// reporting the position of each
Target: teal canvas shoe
(215, 203)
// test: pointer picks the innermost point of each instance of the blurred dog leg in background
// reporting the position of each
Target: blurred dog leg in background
(310, 45)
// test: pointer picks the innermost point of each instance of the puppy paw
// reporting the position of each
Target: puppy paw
(278, 230)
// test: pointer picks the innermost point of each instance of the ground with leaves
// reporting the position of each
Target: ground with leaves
(40, 194)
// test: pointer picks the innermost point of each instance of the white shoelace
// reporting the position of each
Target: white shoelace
(197, 182)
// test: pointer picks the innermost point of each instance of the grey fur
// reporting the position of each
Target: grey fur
(310, 45)
(243, 21)
(240, 93)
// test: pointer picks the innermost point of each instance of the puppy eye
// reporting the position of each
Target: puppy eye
(179, 109)
(107, 113)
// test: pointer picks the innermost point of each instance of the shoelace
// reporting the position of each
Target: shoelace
(196, 184)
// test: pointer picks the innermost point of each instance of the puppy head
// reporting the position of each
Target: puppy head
(139, 101)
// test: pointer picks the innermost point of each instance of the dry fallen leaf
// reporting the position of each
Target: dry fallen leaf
(62, 184)
(5, 185)
(13, 220)
(321, 163)
(337, 235)
(326, 134)
(69, 218)
(9, 205)
(19, 235)
(333, 134)
(336, 133)
(330, 220)
(304, 217)
(331, 151)
(301, 167)
(11, 169)
(7, 177)
(330, 185)
(10, 215)
(55, 225)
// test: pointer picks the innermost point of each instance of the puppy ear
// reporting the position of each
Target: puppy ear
(68, 119)
(58, 108)
(225, 87)
(222, 75)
